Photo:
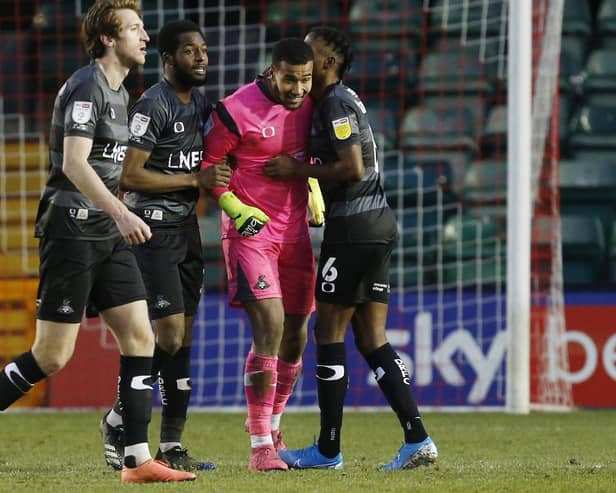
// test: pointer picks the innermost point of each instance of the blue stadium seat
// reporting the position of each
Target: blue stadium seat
(382, 71)
(494, 136)
(383, 116)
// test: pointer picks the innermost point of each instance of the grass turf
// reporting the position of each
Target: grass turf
(479, 452)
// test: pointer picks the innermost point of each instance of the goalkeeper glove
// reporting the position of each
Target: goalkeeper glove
(316, 204)
(248, 220)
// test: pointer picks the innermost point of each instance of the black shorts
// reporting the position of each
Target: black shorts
(76, 273)
(171, 263)
(353, 273)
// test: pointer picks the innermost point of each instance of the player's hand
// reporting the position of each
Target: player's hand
(282, 166)
(248, 220)
(215, 176)
(132, 228)
(316, 204)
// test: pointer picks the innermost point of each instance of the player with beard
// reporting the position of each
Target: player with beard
(161, 177)
(352, 285)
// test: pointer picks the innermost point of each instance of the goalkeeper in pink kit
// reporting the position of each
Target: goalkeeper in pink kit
(271, 274)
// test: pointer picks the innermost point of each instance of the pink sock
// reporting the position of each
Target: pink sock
(287, 376)
(260, 385)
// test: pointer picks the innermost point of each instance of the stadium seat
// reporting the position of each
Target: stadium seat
(284, 19)
(57, 62)
(473, 250)
(594, 126)
(606, 23)
(494, 136)
(454, 69)
(456, 161)
(383, 116)
(31, 183)
(382, 71)
(601, 72)
(473, 18)
(573, 51)
(445, 127)
(19, 209)
(392, 17)
(485, 187)
(19, 265)
(409, 181)
(17, 237)
(577, 20)
(583, 247)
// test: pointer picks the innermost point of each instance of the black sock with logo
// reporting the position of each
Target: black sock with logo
(393, 378)
(332, 384)
(17, 378)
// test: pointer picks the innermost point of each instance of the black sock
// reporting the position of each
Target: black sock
(332, 384)
(393, 378)
(17, 378)
(160, 356)
(136, 396)
(175, 395)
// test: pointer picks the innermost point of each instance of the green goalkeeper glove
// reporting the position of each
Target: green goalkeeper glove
(316, 204)
(248, 220)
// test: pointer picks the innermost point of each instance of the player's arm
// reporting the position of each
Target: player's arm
(136, 177)
(348, 168)
(77, 169)
(219, 140)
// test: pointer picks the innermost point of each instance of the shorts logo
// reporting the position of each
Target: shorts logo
(65, 308)
(161, 303)
(82, 111)
(380, 287)
(139, 124)
(112, 113)
(261, 283)
(342, 128)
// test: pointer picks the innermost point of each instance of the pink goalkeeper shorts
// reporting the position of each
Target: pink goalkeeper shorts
(258, 269)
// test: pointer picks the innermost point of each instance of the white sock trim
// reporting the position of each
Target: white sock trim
(139, 451)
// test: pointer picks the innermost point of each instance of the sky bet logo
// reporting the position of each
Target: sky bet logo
(187, 161)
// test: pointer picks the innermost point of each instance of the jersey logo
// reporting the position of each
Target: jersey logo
(178, 127)
(82, 111)
(342, 128)
(268, 132)
(139, 124)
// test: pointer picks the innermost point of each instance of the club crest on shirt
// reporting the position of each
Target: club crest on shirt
(139, 124)
(82, 111)
(342, 128)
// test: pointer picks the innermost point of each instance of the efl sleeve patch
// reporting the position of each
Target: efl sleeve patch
(139, 124)
(82, 111)
(342, 128)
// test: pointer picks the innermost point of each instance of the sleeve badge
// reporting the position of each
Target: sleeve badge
(82, 111)
(139, 124)
(342, 128)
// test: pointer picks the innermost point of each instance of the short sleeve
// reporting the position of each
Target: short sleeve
(145, 123)
(83, 107)
(341, 121)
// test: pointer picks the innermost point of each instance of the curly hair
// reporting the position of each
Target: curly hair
(337, 41)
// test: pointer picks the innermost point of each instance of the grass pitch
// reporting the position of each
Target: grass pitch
(480, 452)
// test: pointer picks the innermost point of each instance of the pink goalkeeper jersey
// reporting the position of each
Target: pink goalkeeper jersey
(259, 129)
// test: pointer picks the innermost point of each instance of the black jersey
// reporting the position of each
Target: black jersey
(354, 212)
(173, 132)
(85, 106)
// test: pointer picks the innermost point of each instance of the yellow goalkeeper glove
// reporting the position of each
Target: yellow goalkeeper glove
(316, 204)
(248, 220)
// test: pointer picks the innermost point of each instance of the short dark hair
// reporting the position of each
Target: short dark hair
(293, 51)
(338, 41)
(169, 34)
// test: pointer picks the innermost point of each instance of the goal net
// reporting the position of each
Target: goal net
(433, 76)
